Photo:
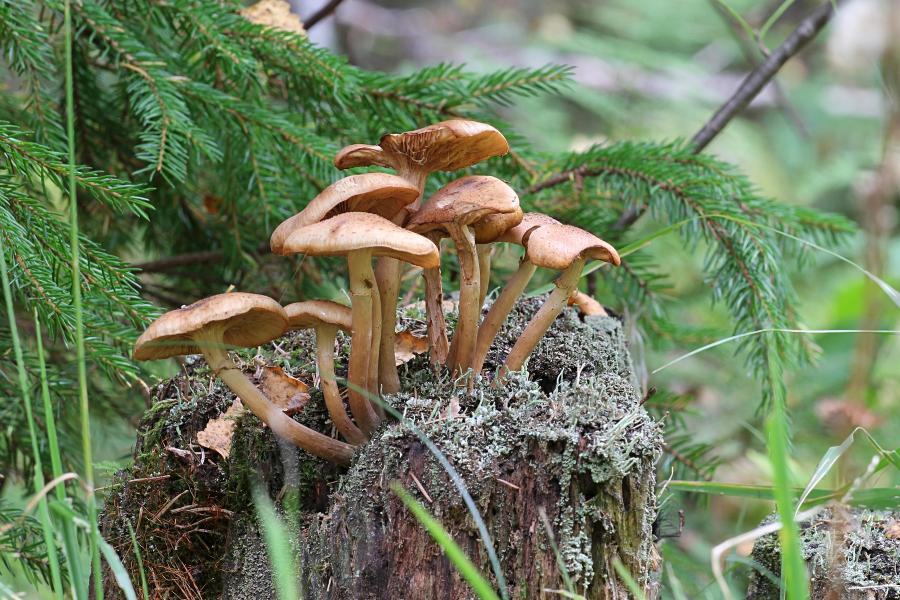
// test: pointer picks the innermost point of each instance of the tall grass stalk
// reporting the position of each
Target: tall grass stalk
(281, 556)
(70, 537)
(793, 567)
(84, 406)
(43, 512)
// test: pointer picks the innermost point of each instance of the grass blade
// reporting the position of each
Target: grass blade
(630, 583)
(84, 406)
(140, 561)
(281, 555)
(43, 513)
(459, 559)
(120, 574)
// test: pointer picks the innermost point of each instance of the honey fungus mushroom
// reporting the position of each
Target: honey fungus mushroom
(513, 289)
(446, 146)
(563, 248)
(454, 209)
(242, 320)
(359, 237)
(325, 318)
(381, 194)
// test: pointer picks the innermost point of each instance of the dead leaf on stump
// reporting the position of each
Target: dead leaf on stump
(218, 432)
(274, 13)
(407, 345)
(286, 392)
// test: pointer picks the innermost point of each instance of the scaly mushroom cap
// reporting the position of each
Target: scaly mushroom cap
(382, 194)
(245, 320)
(312, 313)
(491, 227)
(558, 246)
(445, 146)
(530, 221)
(348, 232)
(464, 202)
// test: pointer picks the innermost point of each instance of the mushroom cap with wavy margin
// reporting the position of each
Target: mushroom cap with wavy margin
(353, 231)
(382, 194)
(465, 201)
(244, 320)
(312, 313)
(557, 246)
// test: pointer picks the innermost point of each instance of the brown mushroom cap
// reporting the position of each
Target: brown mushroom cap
(245, 320)
(348, 232)
(558, 246)
(465, 201)
(312, 313)
(530, 221)
(445, 146)
(382, 194)
(491, 227)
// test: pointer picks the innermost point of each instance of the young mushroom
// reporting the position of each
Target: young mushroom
(454, 209)
(242, 320)
(446, 146)
(587, 306)
(505, 302)
(564, 248)
(326, 318)
(359, 237)
(382, 194)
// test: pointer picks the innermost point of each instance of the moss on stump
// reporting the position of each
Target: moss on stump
(850, 555)
(563, 451)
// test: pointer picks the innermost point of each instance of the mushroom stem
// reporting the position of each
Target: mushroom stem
(434, 311)
(544, 317)
(375, 346)
(362, 284)
(416, 177)
(333, 402)
(500, 310)
(484, 270)
(285, 427)
(462, 347)
(387, 276)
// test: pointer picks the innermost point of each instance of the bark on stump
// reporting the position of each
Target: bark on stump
(561, 457)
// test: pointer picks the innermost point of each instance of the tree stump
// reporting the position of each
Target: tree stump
(559, 461)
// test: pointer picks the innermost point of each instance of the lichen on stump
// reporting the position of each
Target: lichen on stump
(569, 440)
(851, 554)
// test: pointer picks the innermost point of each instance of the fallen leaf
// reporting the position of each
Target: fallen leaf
(286, 392)
(407, 345)
(274, 13)
(218, 432)
(892, 530)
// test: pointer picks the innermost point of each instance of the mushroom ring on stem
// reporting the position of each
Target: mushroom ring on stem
(382, 194)
(359, 237)
(326, 318)
(513, 289)
(446, 146)
(564, 248)
(212, 325)
(454, 209)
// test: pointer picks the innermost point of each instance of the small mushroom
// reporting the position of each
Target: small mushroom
(359, 237)
(564, 248)
(326, 318)
(504, 303)
(587, 305)
(453, 209)
(445, 146)
(213, 324)
(382, 194)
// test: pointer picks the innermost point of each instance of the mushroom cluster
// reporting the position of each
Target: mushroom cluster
(382, 217)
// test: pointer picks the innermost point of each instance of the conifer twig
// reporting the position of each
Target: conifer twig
(321, 14)
(759, 77)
